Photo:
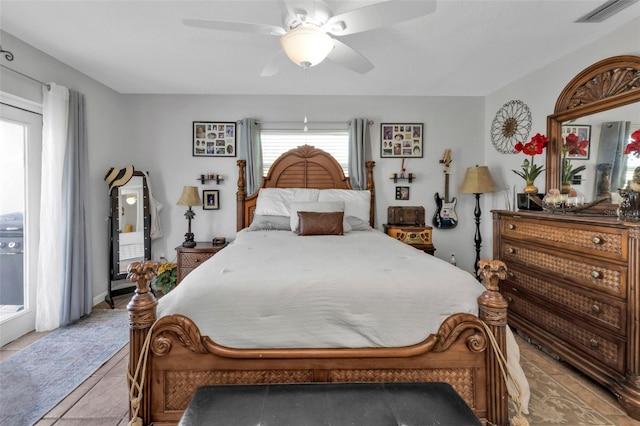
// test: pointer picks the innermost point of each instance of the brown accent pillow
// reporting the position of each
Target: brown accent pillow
(316, 223)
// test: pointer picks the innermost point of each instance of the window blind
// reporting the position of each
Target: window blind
(277, 142)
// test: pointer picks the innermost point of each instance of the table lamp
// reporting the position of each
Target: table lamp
(477, 180)
(189, 197)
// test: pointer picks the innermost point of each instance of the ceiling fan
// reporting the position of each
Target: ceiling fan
(308, 27)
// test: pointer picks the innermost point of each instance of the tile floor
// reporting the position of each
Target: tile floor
(102, 399)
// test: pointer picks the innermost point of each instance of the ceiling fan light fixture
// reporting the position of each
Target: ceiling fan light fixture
(307, 45)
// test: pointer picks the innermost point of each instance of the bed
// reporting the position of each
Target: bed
(259, 327)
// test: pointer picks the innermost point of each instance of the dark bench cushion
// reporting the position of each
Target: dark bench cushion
(311, 404)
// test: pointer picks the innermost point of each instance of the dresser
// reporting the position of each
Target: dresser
(418, 236)
(573, 286)
(189, 258)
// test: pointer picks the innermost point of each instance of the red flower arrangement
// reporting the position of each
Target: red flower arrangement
(574, 146)
(634, 146)
(534, 147)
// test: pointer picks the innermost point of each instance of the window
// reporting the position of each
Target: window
(277, 142)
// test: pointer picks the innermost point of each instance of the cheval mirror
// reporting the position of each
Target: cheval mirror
(129, 233)
(603, 97)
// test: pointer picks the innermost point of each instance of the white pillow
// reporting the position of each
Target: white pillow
(318, 207)
(277, 201)
(356, 203)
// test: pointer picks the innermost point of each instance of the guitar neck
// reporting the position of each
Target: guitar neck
(446, 187)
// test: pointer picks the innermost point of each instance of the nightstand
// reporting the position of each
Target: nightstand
(189, 258)
(418, 236)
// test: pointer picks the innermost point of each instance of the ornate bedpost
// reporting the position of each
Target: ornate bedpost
(240, 195)
(493, 311)
(142, 315)
(372, 208)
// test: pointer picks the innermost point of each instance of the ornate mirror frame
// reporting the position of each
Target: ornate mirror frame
(607, 84)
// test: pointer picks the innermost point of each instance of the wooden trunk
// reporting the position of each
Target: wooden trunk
(405, 215)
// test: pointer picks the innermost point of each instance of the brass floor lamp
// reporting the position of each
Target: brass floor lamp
(477, 180)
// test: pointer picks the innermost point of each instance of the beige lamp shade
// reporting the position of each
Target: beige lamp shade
(189, 197)
(477, 180)
(307, 45)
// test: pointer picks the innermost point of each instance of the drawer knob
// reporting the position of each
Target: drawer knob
(596, 309)
(511, 250)
(509, 300)
(512, 226)
(596, 240)
(596, 274)
(593, 343)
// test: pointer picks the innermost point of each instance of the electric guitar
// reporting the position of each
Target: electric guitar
(445, 216)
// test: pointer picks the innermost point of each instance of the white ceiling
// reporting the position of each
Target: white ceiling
(464, 48)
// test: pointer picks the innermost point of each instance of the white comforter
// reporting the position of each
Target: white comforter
(364, 289)
(274, 289)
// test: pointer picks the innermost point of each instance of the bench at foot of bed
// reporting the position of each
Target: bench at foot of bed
(311, 404)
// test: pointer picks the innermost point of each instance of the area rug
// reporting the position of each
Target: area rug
(552, 403)
(38, 377)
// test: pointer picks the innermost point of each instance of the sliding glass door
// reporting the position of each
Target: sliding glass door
(20, 171)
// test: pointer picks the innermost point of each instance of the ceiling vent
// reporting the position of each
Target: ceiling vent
(608, 9)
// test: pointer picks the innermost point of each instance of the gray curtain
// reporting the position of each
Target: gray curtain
(77, 295)
(359, 143)
(613, 139)
(250, 149)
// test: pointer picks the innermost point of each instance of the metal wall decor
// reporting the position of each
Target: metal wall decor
(511, 125)
(7, 54)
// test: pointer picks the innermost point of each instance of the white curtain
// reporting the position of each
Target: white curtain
(55, 117)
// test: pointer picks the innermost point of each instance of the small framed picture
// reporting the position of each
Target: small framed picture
(214, 139)
(211, 199)
(579, 144)
(401, 140)
(402, 192)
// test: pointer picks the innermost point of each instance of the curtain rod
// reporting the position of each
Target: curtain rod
(298, 122)
(9, 57)
(26, 76)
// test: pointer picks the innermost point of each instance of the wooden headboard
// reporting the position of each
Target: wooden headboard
(302, 167)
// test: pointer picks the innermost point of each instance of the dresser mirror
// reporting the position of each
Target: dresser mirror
(130, 224)
(605, 96)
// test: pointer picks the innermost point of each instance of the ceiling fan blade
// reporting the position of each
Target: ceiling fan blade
(349, 58)
(243, 27)
(274, 64)
(377, 15)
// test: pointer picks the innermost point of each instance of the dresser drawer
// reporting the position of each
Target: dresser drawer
(595, 274)
(193, 260)
(593, 240)
(602, 348)
(596, 308)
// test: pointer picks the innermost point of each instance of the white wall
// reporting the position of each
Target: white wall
(161, 128)
(154, 133)
(540, 90)
(104, 127)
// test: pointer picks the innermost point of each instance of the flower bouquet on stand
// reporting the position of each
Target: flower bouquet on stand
(167, 276)
(572, 145)
(530, 171)
(630, 204)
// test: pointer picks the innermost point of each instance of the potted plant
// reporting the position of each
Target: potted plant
(572, 145)
(530, 171)
(167, 276)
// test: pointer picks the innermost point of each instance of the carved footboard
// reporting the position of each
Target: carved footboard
(180, 359)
